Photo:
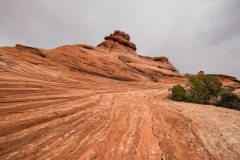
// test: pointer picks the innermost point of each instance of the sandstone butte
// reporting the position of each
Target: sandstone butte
(106, 102)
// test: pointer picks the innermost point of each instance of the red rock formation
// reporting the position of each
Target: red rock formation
(80, 102)
(118, 42)
(200, 73)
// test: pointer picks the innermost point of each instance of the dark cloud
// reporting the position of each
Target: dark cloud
(194, 35)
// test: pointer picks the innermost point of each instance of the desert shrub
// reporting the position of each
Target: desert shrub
(178, 93)
(203, 88)
(230, 88)
(229, 99)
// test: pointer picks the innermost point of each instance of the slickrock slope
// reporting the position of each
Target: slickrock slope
(85, 102)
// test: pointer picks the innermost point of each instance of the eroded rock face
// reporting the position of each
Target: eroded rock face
(118, 42)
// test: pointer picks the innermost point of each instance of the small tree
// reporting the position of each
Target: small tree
(178, 93)
(200, 89)
(203, 88)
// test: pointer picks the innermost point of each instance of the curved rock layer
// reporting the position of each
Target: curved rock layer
(79, 102)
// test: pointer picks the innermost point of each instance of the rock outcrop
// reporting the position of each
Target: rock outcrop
(118, 42)
(161, 62)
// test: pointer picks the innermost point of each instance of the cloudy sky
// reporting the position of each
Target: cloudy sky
(194, 34)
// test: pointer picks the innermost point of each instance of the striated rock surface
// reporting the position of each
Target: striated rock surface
(80, 102)
(161, 62)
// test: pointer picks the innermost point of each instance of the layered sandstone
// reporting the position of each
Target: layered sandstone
(153, 68)
(118, 42)
(82, 102)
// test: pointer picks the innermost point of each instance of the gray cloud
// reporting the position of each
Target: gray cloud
(194, 35)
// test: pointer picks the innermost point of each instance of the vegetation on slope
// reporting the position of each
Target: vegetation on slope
(205, 89)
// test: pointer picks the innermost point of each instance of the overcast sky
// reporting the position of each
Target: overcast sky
(194, 34)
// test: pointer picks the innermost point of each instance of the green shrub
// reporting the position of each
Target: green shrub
(203, 88)
(229, 99)
(178, 93)
(230, 88)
